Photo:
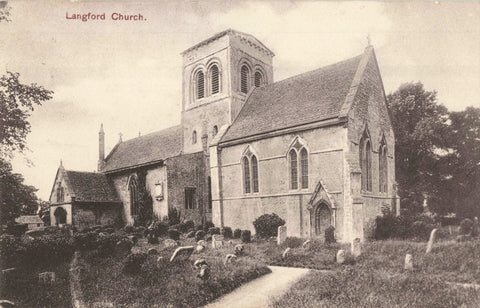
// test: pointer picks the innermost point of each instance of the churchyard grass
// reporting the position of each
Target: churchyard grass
(378, 278)
(170, 284)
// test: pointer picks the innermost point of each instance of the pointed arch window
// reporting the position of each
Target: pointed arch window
(298, 163)
(214, 75)
(304, 167)
(258, 79)
(254, 173)
(215, 130)
(200, 82)
(246, 175)
(133, 191)
(293, 169)
(250, 172)
(365, 153)
(382, 168)
(194, 137)
(244, 78)
(60, 193)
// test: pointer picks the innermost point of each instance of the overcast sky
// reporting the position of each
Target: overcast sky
(127, 75)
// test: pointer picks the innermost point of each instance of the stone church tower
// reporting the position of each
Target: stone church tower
(218, 75)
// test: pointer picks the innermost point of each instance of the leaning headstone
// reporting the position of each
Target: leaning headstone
(6, 303)
(199, 263)
(408, 262)
(191, 234)
(286, 253)
(152, 251)
(475, 228)
(8, 274)
(307, 244)
(46, 277)
(199, 248)
(160, 262)
(281, 235)
(182, 253)
(217, 241)
(341, 256)
(202, 242)
(431, 240)
(170, 243)
(204, 273)
(356, 248)
(230, 258)
(239, 248)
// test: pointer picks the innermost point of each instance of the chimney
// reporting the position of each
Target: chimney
(101, 148)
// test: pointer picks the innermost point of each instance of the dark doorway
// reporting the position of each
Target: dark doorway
(323, 219)
(60, 216)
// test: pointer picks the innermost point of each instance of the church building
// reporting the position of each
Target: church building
(317, 149)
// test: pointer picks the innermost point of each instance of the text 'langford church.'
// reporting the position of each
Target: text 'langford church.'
(317, 149)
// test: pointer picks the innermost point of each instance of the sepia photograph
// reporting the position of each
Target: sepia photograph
(250, 154)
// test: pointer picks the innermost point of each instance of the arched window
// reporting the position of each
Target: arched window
(194, 137)
(246, 175)
(200, 80)
(215, 130)
(293, 169)
(382, 168)
(258, 79)
(255, 173)
(214, 79)
(365, 153)
(244, 78)
(304, 167)
(133, 191)
(60, 193)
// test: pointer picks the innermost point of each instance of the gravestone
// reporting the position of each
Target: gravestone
(182, 253)
(286, 253)
(431, 240)
(8, 274)
(204, 273)
(6, 303)
(307, 244)
(281, 235)
(199, 263)
(217, 241)
(239, 249)
(408, 262)
(341, 256)
(199, 248)
(160, 262)
(356, 248)
(46, 277)
(152, 251)
(202, 242)
(230, 258)
(475, 228)
(170, 243)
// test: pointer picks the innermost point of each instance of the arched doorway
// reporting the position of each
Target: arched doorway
(322, 219)
(60, 216)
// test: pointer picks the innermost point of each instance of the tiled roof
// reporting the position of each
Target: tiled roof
(29, 219)
(310, 97)
(91, 186)
(145, 149)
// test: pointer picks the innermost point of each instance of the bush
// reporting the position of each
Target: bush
(466, 226)
(174, 234)
(293, 242)
(267, 225)
(246, 236)
(330, 235)
(199, 227)
(133, 263)
(173, 216)
(160, 228)
(128, 229)
(237, 233)
(199, 235)
(188, 225)
(207, 225)
(214, 230)
(422, 229)
(226, 232)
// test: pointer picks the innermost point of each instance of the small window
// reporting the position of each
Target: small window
(382, 168)
(190, 198)
(304, 169)
(246, 175)
(215, 80)
(194, 137)
(132, 188)
(60, 193)
(200, 85)
(215, 130)
(255, 173)
(244, 76)
(258, 79)
(293, 169)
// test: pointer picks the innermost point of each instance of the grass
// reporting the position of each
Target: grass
(378, 279)
(25, 291)
(171, 284)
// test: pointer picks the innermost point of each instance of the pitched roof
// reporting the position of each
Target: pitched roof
(145, 149)
(91, 186)
(306, 98)
(29, 219)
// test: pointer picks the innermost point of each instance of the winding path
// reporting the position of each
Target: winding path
(260, 292)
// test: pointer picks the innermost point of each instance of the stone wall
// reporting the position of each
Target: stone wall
(90, 214)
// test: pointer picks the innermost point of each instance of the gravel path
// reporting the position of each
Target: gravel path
(260, 292)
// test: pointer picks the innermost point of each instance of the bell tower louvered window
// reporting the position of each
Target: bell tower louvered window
(215, 80)
(244, 76)
(200, 85)
(258, 79)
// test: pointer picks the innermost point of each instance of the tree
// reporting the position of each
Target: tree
(4, 11)
(17, 101)
(420, 126)
(145, 201)
(16, 198)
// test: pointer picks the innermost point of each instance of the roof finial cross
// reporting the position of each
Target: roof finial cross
(120, 137)
(369, 40)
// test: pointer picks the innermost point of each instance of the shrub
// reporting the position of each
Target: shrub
(174, 234)
(199, 227)
(199, 235)
(293, 242)
(330, 235)
(466, 226)
(133, 263)
(421, 229)
(188, 225)
(207, 225)
(246, 236)
(214, 230)
(152, 239)
(128, 229)
(237, 233)
(173, 216)
(267, 225)
(226, 232)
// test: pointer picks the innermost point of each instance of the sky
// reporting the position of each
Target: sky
(128, 74)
